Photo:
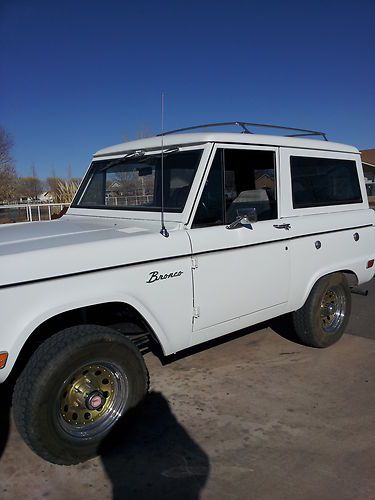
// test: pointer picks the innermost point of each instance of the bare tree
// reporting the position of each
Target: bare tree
(144, 131)
(33, 171)
(52, 183)
(29, 187)
(8, 175)
(62, 190)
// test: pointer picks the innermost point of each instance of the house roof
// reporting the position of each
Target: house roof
(222, 137)
(368, 156)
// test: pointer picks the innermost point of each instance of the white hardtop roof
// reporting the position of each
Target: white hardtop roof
(223, 137)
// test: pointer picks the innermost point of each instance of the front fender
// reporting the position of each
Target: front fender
(24, 308)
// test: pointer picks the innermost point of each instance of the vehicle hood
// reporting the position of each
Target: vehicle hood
(71, 245)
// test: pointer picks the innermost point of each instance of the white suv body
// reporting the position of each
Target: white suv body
(212, 275)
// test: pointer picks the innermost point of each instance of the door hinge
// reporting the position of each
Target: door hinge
(194, 262)
(196, 312)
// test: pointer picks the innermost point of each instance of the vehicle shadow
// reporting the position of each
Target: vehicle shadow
(6, 403)
(149, 454)
(281, 325)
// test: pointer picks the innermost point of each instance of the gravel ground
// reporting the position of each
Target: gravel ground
(256, 417)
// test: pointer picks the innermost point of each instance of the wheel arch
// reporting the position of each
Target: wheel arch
(350, 275)
(111, 313)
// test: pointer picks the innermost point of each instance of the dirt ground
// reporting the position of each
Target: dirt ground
(255, 417)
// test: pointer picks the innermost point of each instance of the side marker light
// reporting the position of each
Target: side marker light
(3, 359)
(370, 263)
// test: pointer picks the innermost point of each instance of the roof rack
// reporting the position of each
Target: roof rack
(297, 132)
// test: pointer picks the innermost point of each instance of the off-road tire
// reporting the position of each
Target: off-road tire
(37, 393)
(312, 322)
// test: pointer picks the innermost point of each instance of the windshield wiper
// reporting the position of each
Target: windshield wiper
(158, 155)
(134, 154)
(171, 150)
(138, 154)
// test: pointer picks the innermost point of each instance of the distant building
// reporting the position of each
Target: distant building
(368, 162)
(45, 197)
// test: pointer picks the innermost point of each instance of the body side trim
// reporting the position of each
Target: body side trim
(118, 266)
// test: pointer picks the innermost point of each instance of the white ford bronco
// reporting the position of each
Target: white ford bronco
(176, 239)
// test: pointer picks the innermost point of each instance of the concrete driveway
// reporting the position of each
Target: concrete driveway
(256, 417)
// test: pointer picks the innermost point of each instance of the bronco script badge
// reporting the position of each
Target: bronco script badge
(156, 276)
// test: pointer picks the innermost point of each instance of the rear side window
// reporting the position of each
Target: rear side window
(318, 182)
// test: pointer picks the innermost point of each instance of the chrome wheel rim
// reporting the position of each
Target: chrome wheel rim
(332, 309)
(92, 399)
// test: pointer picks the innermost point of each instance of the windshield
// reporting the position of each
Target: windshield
(134, 183)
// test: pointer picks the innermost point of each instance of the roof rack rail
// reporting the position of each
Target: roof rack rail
(297, 132)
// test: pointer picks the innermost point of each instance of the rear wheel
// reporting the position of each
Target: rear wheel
(322, 320)
(74, 389)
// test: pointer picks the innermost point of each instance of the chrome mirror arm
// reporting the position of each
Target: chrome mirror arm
(240, 221)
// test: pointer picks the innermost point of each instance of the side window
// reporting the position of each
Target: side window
(239, 180)
(250, 184)
(318, 182)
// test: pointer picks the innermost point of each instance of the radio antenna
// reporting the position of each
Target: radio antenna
(163, 230)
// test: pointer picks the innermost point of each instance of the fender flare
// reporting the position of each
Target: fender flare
(50, 313)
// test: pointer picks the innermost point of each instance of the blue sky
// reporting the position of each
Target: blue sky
(80, 75)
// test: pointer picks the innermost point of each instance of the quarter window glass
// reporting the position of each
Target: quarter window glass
(320, 182)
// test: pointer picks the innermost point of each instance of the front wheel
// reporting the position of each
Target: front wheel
(74, 389)
(323, 318)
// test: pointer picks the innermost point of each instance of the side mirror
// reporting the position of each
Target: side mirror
(245, 218)
(248, 214)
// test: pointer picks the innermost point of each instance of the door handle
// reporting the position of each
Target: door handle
(282, 226)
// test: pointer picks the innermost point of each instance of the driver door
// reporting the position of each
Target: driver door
(241, 275)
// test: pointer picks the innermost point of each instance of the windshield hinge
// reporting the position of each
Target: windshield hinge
(194, 262)
(196, 312)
